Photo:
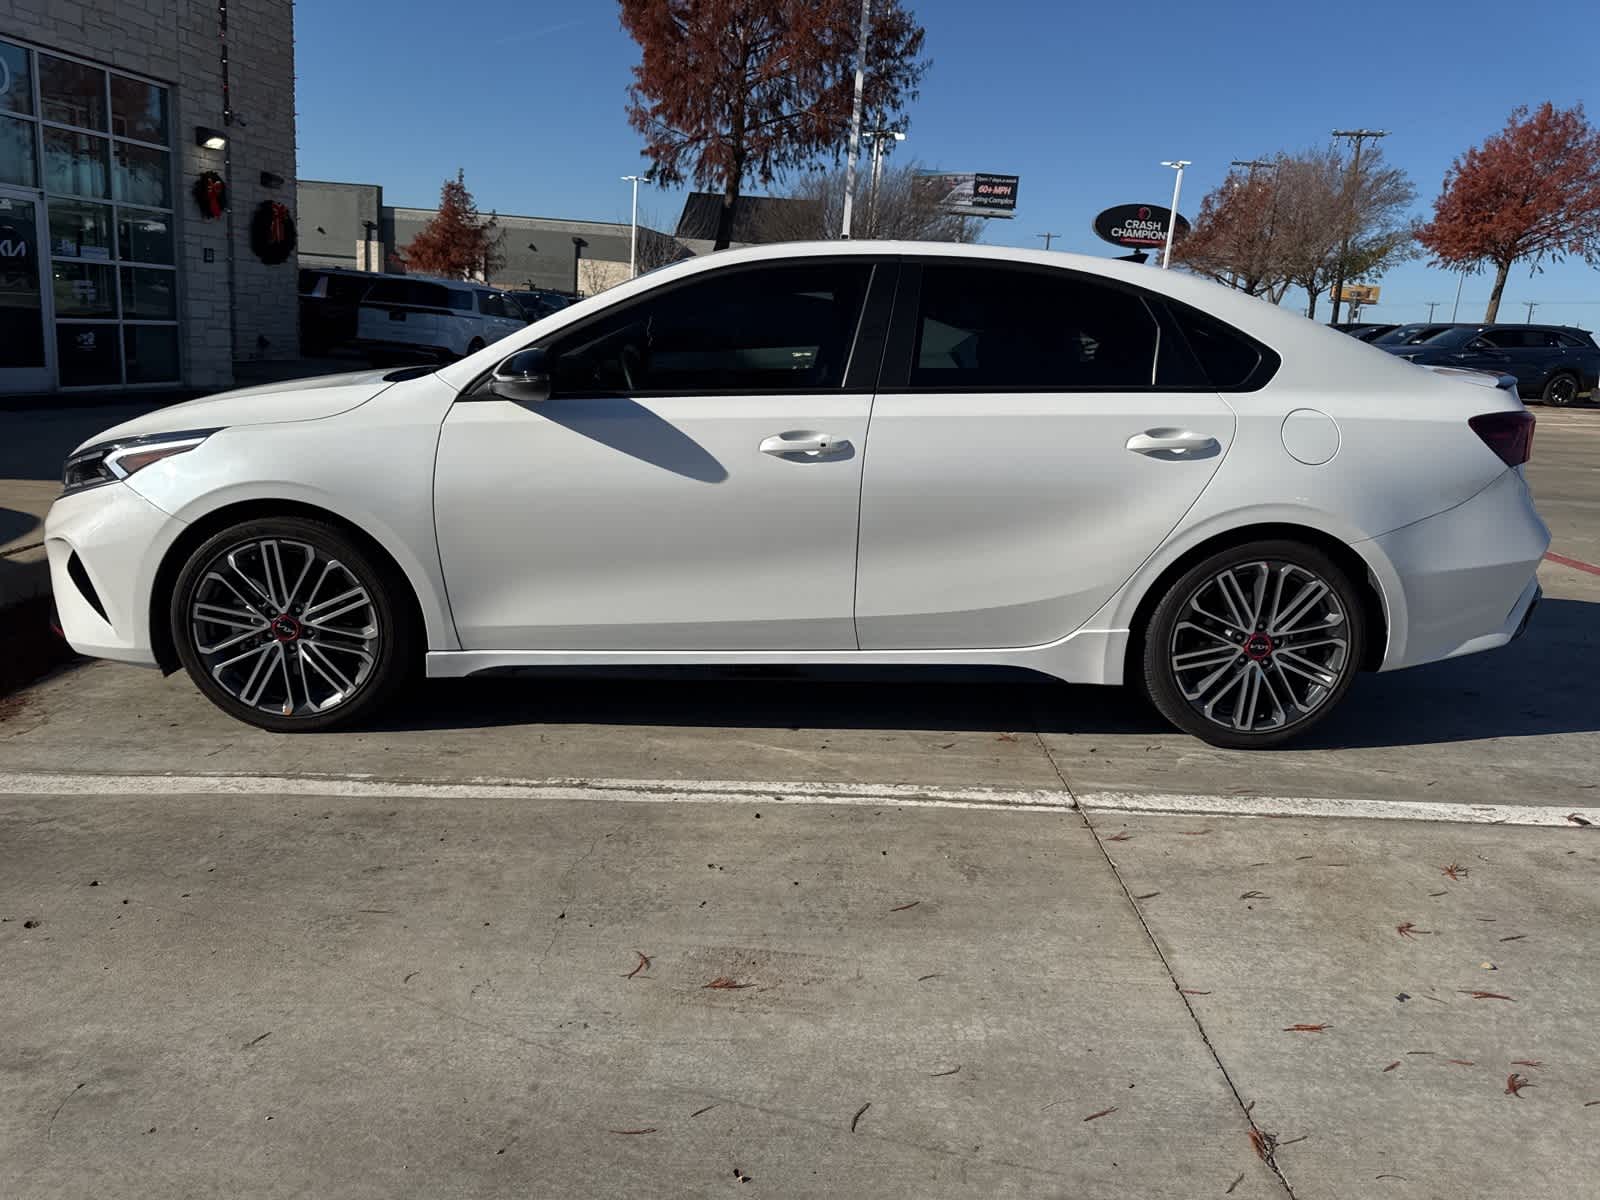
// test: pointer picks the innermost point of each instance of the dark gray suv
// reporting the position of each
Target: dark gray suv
(1556, 364)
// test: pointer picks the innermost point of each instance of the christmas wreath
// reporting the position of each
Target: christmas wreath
(272, 233)
(211, 194)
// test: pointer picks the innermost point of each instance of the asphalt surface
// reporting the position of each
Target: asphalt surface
(403, 962)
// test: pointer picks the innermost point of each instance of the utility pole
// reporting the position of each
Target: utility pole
(1454, 308)
(877, 136)
(1352, 185)
(1048, 238)
(1177, 164)
(1432, 304)
(855, 117)
(1532, 304)
(1252, 164)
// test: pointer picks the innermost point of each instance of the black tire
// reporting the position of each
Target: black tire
(1561, 390)
(1270, 661)
(284, 644)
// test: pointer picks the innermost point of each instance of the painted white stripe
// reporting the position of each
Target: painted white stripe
(860, 795)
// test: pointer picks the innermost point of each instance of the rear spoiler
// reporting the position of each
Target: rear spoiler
(1481, 378)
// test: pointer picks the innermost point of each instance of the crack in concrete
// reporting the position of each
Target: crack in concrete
(1266, 1139)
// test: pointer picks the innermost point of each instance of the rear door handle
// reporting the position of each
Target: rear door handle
(803, 441)
(1154, 441)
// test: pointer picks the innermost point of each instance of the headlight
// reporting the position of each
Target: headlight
(111, 461)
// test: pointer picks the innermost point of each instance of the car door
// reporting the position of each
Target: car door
(1038, 433)
(1510, 351)
(692, 482)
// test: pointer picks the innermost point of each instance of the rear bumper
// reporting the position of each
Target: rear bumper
(1466, 578)
(105, 546)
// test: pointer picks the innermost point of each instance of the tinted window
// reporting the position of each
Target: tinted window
(993, 327)
(414, 293)
(1573, 342)
(770, 329)
(1229, 359)
(457, 298)
(1511, 339)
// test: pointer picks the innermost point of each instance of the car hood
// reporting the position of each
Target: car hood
(294, 400)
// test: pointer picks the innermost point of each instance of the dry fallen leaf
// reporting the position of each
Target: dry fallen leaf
(1527, 1062)
(1483, 995)
(1005, 737)
(1193, 992)
(1515, 1083)
(1104, 1112)
(1263, 1143)
(1305, 1028)
(903, 907)
(1148, 896)
(723, 982)
(1253, 895)
(1407, 929)
(642, 965)
(1455, 871)
(1391, 1066)
(1461, 1062)
(632, 1132)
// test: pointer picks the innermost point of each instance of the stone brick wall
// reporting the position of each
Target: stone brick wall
(178, 43)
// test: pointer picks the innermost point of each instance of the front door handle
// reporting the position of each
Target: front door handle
(1156, 441)
(803, 441)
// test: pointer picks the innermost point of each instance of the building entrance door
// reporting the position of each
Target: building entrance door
(25, 358)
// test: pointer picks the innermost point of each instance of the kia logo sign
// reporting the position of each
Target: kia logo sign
(1137, 225)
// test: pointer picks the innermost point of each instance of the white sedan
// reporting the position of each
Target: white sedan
(859, 453)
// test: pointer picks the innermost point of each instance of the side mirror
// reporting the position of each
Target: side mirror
(524, 377)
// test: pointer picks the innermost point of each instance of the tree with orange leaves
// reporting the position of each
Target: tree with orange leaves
(733, 90)
(1530, 193)
(458, 242)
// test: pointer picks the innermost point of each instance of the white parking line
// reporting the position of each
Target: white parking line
(701, 791)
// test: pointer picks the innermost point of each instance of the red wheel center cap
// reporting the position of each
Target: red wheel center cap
(1258, 647)
(284, 627)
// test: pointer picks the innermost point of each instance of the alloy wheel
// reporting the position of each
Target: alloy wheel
(1563, 390)
(283, 627)
(1260, 646)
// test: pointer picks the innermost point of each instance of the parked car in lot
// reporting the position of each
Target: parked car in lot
(1406, 335)
(1552, 363)
(329, 297)
(1364, 331)
(836, 453)
(404, 316)
(539, 304)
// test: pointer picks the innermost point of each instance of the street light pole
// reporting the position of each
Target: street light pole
(855, 117)
(1048, 238)
(877, 136)
(1172, 218)
(1432, 304)
(1454, 307)
(1353, 182)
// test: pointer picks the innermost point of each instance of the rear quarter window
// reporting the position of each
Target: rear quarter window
(1232, 361)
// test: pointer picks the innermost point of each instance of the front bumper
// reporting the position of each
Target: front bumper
(105, 546)
(1466, 577)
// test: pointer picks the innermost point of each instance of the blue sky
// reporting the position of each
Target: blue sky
(528, 97)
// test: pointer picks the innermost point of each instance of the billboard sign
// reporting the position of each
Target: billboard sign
(1356, 293)
(1137, 226)
(974, 194)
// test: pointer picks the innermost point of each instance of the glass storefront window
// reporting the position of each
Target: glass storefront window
(147, 294)
(138, 110)
(80, 230)
(16, 81)
(144, 176)
(72, 93)
(16, 152)
(87, 354)
(76, 163)
(152, 353)
(145, 236)
(84, 289)
(101, 211)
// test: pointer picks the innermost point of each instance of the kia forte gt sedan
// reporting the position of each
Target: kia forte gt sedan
(861, 453)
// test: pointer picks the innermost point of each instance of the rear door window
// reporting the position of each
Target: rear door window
(998, 328)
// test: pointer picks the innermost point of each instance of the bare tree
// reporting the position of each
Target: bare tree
(906, 208)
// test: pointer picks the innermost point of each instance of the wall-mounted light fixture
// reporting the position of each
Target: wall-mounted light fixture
(211, 139)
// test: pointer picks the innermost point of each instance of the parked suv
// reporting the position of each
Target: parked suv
(1554, 363)
(407, 317)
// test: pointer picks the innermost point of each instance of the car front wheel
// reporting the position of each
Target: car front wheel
(1254, 645)
(288, 624)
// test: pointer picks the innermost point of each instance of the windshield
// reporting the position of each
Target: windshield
(1409, 335)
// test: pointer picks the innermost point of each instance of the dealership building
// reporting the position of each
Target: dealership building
(147, 223)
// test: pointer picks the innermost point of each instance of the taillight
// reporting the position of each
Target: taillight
(1508, 434)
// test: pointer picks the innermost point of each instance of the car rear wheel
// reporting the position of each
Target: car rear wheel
(1561, 391)
(288, 624)
(1254, 645)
